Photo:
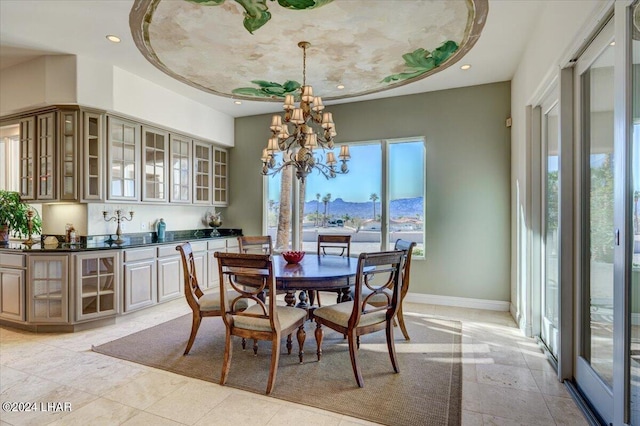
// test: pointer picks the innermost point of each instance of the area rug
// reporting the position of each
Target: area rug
(427, 391)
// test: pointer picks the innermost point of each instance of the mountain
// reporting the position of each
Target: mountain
(404, 207)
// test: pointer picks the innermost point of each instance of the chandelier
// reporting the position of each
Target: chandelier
(311, 129)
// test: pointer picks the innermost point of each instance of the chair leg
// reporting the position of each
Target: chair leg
(312, 297)
(255, 347)
(244, 343)
(353, 353)
(289, 345)
(319, 335)
(392, 347)
(195, 324)
(226, 362)
(302, 336)
(275, 358)
(403, 328)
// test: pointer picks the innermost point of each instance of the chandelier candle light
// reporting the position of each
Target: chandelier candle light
(311, 127)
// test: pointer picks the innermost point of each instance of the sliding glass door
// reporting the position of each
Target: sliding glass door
(633, 378)
(551, 220)
(595, 91)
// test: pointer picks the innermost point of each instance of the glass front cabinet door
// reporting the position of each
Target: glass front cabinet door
(123, 182)
(48, 289)
(93, 156)
(68, 141)
(97, 285)
(180, 160)
(220, 177)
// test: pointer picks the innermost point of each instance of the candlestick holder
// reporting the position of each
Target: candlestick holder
(29, 241)
(118, 218)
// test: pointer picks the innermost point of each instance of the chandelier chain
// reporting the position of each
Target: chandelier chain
(304, 64)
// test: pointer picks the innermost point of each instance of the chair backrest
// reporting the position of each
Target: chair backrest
(260, 244)
(407, 247)
(192, 290)
(234, 268)
(334, 244)
(379, 273)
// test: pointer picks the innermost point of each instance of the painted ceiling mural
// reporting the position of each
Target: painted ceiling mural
(248, 49)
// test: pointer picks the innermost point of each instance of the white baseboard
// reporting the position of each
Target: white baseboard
(461, 302)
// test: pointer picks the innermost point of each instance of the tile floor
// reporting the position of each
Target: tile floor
(506, 380)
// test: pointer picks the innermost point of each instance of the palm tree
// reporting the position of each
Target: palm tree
(326, 200)
(374, 197)
(317, 206)
(284, 216)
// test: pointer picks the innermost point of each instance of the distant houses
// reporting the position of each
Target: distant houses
(395, 225)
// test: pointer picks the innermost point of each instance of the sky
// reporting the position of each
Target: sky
(365, 174)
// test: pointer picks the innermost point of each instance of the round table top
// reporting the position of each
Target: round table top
(314, 267)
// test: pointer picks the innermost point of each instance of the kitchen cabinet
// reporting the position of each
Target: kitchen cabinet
(123, 164)
(97, 285)
(170, 279)
(12, 287)
(220, 189)
(140, 285)
(155, 164)
(93, 156)
(202, 188)
(180, 174)
(48, 289)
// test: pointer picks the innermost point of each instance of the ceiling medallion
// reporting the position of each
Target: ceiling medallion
(242, 49)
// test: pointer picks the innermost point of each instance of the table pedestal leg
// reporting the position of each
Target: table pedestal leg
(290, 298)
(303, 300)
(346, 294)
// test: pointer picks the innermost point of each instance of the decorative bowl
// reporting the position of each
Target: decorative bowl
(293, 256)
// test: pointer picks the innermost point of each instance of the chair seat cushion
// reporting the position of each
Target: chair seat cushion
(211, 301)
(341, 312)
(286, 315)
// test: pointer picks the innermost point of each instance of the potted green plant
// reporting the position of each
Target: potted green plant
(14, 217)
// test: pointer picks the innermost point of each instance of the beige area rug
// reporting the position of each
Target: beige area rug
(427, 391)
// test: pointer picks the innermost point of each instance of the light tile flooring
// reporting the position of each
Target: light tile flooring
(506, 380)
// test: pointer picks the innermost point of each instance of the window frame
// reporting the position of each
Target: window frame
(385, 145)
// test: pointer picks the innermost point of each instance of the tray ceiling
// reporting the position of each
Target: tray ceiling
(249, 49)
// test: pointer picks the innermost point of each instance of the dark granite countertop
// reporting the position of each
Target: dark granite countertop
(105, 242)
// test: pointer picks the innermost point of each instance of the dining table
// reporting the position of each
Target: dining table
(314, 272)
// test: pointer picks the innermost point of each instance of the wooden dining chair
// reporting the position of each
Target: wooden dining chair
(201, 304)
(261, 320)
(339, 245)
(259, 244)
(380, 274)
(379, 300)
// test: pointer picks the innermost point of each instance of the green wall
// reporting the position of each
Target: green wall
(467, 193)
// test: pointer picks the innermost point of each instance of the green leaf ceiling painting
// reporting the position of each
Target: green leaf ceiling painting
(248, 49)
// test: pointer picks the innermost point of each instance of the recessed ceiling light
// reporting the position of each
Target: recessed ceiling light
(340, 86)
(465, 67)
(113, 39)
(237, 102)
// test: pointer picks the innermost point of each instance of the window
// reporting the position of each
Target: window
(380, 200)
